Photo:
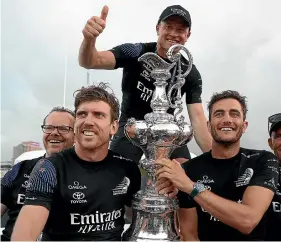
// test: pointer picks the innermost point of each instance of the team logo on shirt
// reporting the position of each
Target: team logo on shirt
(122, 187)
(245, 178)
(206, 180)
(99, 221)
(76, 185)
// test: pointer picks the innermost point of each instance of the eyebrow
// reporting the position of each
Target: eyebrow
(231, 110)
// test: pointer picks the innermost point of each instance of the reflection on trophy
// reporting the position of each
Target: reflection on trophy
(154, 216)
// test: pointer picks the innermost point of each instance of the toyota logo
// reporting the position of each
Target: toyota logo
(78, 195)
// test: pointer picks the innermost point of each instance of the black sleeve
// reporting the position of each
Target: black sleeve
(134, 175)
(193, 86)
(42, 184)
(7, 183)
(185, 201)
(266, 173)
(124, 54)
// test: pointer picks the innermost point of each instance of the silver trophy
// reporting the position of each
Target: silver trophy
(154, 215)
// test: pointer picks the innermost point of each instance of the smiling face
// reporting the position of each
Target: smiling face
(173, 30)
(227, 122)
(94, 126)
(60, 138)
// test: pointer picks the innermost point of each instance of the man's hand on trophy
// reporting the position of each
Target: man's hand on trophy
(95, 25)
(172, 170)
(165, 186)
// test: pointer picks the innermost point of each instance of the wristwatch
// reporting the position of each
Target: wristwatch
(197, 188)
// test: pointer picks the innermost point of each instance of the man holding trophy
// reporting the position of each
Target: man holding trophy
(225, 193)
(173, 27)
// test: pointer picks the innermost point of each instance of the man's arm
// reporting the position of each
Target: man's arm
(188, 221)
(3, 209)
(38, 201)
(193, 90)
(30, 223)
(199, 123)
(8, 186)
(243, 217)
(90, 58)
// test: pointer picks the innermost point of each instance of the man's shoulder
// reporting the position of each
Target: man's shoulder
(255, 153)
(135, 49)
(119, 158)
(60, 158)
(19, 169)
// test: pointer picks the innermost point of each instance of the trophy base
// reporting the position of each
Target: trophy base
(154, 219)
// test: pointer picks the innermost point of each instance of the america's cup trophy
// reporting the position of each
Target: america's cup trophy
(154, 215)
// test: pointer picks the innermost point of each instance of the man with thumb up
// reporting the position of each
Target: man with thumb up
(173, 27)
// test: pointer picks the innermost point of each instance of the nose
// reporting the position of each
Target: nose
(226, 118)
(55, 131)
(90, 119)
(173, 32)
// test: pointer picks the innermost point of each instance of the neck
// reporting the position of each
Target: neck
(225, 151)
(47, 155)
(91, 155)
(160, 51)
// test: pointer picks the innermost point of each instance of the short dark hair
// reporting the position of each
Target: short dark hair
(229, 94)
(98, 93)
(59, 109)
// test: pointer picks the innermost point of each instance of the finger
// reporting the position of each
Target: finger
(181, 160)
(174, 193)
(163, 162)
(164, 175)
(104, 13)
(90, 35)
(166, 190)
(93, 24)
(163, 185)
(160, 181)
(99, 21)
(161, 170)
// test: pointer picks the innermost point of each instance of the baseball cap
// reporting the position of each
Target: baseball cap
(175, 10)
(274, 122)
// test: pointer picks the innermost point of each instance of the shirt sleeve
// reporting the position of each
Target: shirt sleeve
(193, 86)
(42, 184)
(135, 182)
(266, 173)
(185, 201)
(7, 184)
(124, 54)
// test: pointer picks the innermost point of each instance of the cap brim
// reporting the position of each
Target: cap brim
(175, 14)
(275, 126)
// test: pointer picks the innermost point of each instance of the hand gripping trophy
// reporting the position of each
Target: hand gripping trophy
(158, 135)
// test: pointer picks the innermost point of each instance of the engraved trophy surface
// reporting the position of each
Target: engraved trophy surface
(154, 216)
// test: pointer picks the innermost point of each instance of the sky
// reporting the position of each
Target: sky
(235, 45)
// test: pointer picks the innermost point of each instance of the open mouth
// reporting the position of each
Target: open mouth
(53, 141)
(88, 133)
(172, 42)
(227, 129)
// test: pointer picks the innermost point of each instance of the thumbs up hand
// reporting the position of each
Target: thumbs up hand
(95, 25)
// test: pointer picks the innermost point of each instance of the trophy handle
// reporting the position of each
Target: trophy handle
(176, 57)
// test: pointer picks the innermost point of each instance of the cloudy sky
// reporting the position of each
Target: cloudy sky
(235, 45)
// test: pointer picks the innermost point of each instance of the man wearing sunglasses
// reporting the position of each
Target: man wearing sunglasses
(274, 141)
(57, 135)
